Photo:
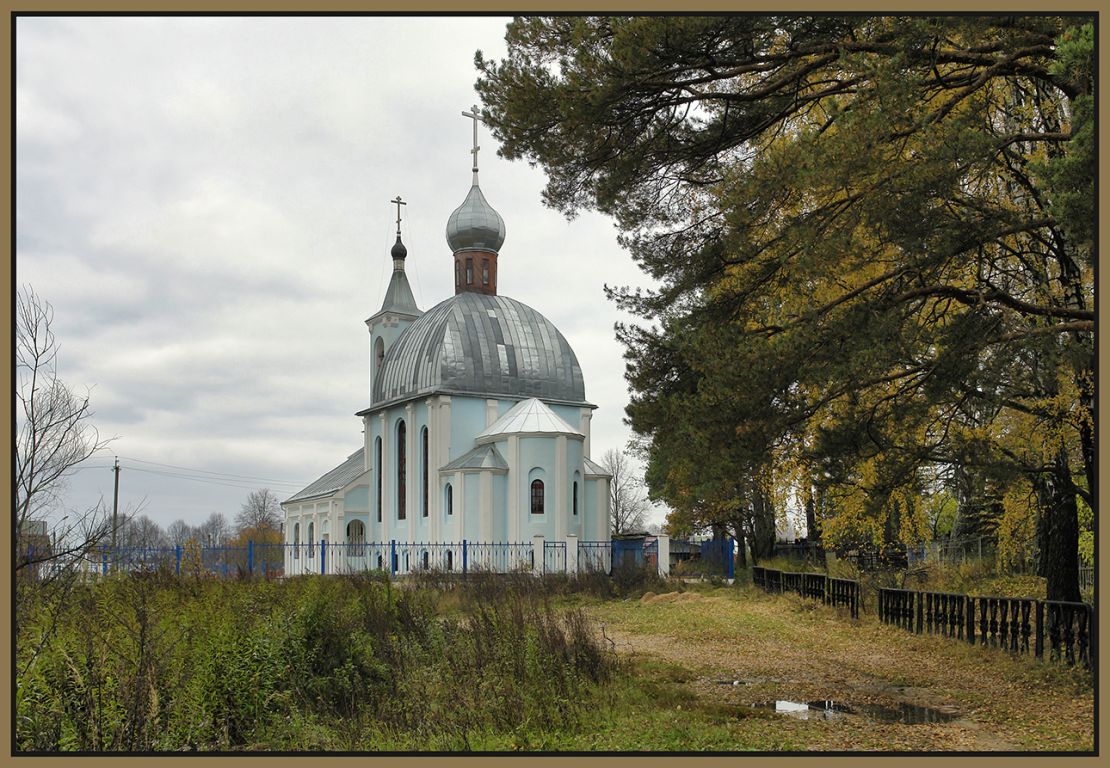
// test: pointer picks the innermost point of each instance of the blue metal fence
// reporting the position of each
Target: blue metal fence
(595, 556)
(554, 557)
(718, 557)
(275, 560)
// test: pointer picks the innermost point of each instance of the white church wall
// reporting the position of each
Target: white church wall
(357, 500)
(471, 520)
(468, 418)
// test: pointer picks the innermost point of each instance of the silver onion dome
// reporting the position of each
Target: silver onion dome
(480, 345)
(474, 225)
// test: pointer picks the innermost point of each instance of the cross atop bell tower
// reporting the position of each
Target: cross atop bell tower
(474, 115)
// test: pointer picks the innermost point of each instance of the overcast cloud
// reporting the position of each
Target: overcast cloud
(204, 201)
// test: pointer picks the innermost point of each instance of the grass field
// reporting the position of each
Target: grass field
(708, 656)
(508, 664)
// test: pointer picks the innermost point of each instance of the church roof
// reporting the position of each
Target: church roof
(480, 344)
(332, 481)
(482, 457)
(398, 296)
(529, 417)
(593, 469)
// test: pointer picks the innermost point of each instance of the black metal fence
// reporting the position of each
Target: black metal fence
(1061, 630)
(817, 586)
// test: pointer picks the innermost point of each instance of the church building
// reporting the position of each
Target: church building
(477, 427)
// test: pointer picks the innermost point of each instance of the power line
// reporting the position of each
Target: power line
(219, 474)
(246, 484)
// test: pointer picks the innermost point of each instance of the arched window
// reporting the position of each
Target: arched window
(574, 497)
(424, 471)
(470, 271)
(311, 540)
(449, 505)
(356, 538)
(485, 271)
(296, 541)
(537, 497)
(379, 352)
(401, 470)
(378, 472)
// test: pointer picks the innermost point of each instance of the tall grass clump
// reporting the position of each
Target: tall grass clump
(155, 663)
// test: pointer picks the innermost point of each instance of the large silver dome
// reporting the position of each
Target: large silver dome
(478, 344)
(474, 225)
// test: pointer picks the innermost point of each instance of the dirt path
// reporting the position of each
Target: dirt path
(743, 653)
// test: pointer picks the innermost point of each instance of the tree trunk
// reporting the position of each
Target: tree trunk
(741, 556)
(763, 527)
(813, 532)
(1058, 531)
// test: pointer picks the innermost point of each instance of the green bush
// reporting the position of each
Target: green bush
(159, 664)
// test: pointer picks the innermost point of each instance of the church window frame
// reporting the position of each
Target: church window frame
(379, 352)
(424, 471)
(458, 274)
(537, 494)
(450, 505)
(402, 433)
(485, 271)
(470, 271)
(574, 498)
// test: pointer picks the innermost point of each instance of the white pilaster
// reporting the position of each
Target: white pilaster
(388, 507)
(560, 505)
(601, 525)
(412, 462)
(491, 411)
(485, 505)
(572, 554)
(513, 460)
(459, 502)
(586, 414)
(434, 496)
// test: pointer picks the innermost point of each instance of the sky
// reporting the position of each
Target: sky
(205, 204)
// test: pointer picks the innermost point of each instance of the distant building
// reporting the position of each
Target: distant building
(33, 546)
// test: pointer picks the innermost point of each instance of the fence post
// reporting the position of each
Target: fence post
(104, 563)
(464, 557)
(730, 560)
(250, 556)
(663, 554)
(571, 559)
(177, 559)
(323, 556)
(538, 555)
(393, 557)
(1038, 647)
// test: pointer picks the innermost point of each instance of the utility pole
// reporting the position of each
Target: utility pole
(115, 508)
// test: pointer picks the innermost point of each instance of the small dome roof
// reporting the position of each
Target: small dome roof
(474, 225)
(480, 344)
(399, 251)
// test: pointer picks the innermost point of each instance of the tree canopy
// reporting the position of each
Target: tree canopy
(874, 247)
